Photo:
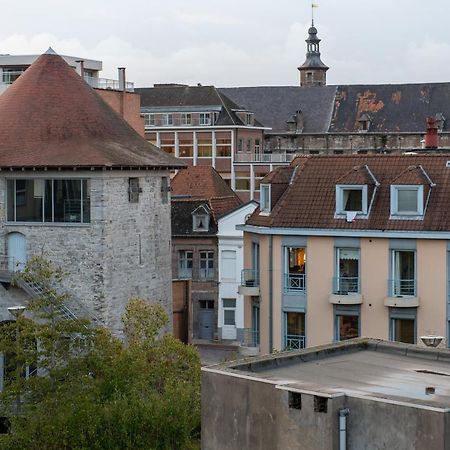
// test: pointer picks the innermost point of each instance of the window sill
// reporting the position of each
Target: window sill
(48, 224)
(406, 217)
(402, 302)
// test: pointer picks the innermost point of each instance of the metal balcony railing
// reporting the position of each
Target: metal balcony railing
(184, 273)
(250, 338)
(294, 282)
(107, 83)
(402, 287)
(250, 278)
(263, 157)
(294, 341)
(346, 285)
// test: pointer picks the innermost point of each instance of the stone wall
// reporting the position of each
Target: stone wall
(124, 252)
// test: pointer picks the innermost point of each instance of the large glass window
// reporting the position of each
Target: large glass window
(403, 281)
(207, 265)
(347, 271)
(403, 330)
(294, 338)
(347, 323)
(295, 280)
(55, 200)
(205, 119)
(204, 145)
(223, 145)
(186, 147)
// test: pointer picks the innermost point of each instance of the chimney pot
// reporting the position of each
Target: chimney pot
(431, 138)
(122, 80)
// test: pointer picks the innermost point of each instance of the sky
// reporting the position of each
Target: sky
(236, 42)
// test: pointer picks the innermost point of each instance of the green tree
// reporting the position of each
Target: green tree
(103, 393)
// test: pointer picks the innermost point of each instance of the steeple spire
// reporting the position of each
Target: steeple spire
(313, 70)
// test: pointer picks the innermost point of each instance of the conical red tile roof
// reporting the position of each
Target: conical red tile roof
(50, 117)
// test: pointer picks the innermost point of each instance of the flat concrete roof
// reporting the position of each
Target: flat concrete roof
(376, 370)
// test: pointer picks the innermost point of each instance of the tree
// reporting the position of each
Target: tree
(104, 393)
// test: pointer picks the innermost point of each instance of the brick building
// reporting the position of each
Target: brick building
(199, 198)
(78, 184)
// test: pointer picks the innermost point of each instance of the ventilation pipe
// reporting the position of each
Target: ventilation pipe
(343, 413)
(431, 138)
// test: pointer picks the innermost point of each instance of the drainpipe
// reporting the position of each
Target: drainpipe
(270, 293)
(343, 413)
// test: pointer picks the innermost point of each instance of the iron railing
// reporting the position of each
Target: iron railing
(294, 282)
(250, 278)
(346, 285)
(250, 338)
(402, 287)
(107, 83)
(294, 341)
(8, 263)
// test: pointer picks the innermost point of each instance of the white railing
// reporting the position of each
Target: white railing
(107, 83)
(264, 157)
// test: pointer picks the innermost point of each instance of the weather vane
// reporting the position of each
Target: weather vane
(313, 5)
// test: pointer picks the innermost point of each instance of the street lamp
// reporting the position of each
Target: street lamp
(17, 312)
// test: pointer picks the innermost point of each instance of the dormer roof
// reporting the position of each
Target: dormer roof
(51, 118)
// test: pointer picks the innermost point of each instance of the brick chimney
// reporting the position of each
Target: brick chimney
(431, 138)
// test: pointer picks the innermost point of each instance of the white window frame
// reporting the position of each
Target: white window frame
(394, 200)
(229, 308)
(185, 272)
(396, 276)
(340, 188)
(167, 120)
(186, 119)
(265, 207)
(196, 219)
(149, 120)
(204, 119)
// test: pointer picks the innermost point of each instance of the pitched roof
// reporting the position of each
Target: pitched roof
(200, 182)
(50, 117)
(207, 97)
(309, 202)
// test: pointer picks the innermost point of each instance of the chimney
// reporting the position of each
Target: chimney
(122, 81)
(80, 67)
(431, 138)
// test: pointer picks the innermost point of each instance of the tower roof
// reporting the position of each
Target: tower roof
(313, 60)
(50, 118)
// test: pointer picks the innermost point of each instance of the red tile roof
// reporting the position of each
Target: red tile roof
(50, 117)
(200, 182)
(310, 201)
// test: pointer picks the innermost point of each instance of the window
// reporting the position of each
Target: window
(205, 119)
(294, 325)
(167, 119)
(320, 404)
(309, 77)
(403, 282)
(207, 265)
(200, 222)
(167, 143)
(165, 189)
(48, 200)
(295, 263)
(133, 190)
(347, 323)
(249, 119)
(223, 147)
(351, 198)
(229, 311)
(347, 271)
(240, 146)
(257, 145)
(242, 184)
(265, 203)
(186, 119)
(295, 400)
(204, 145)
(407, 200)
(228, 268)
(149, 120)
(206, 304)
(185, 264)
(403, 325)
(249, 144)
(186, 147)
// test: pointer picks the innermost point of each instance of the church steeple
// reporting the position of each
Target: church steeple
(313, 72)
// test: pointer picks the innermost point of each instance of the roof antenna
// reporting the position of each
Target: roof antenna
(313, 5)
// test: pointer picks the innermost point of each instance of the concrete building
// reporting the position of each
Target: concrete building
(80, 186)
(362, 394)
(199, 198)
(347, 246)
(231, 260)
(119, 94)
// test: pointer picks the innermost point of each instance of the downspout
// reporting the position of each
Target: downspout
(271, 293)
(343, 413)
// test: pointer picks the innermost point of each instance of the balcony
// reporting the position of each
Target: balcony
(184, 273)
(264, 157)
(249, 283)
(294, 283)
(402, 293)
(294, 342)
(346, 291)
(109, 84)
(249, 343)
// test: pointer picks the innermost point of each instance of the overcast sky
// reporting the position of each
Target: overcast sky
(238, 42)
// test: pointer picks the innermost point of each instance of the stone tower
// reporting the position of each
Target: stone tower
(313, 72)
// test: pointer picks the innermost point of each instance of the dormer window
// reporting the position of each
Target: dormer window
(407, 200)
(205, 119)
(351, 199)
(264, 194)
(200, 219)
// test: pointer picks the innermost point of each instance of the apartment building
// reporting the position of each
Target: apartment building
(347, 246)
(199, 198)
(80, 186)
(203, 127)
